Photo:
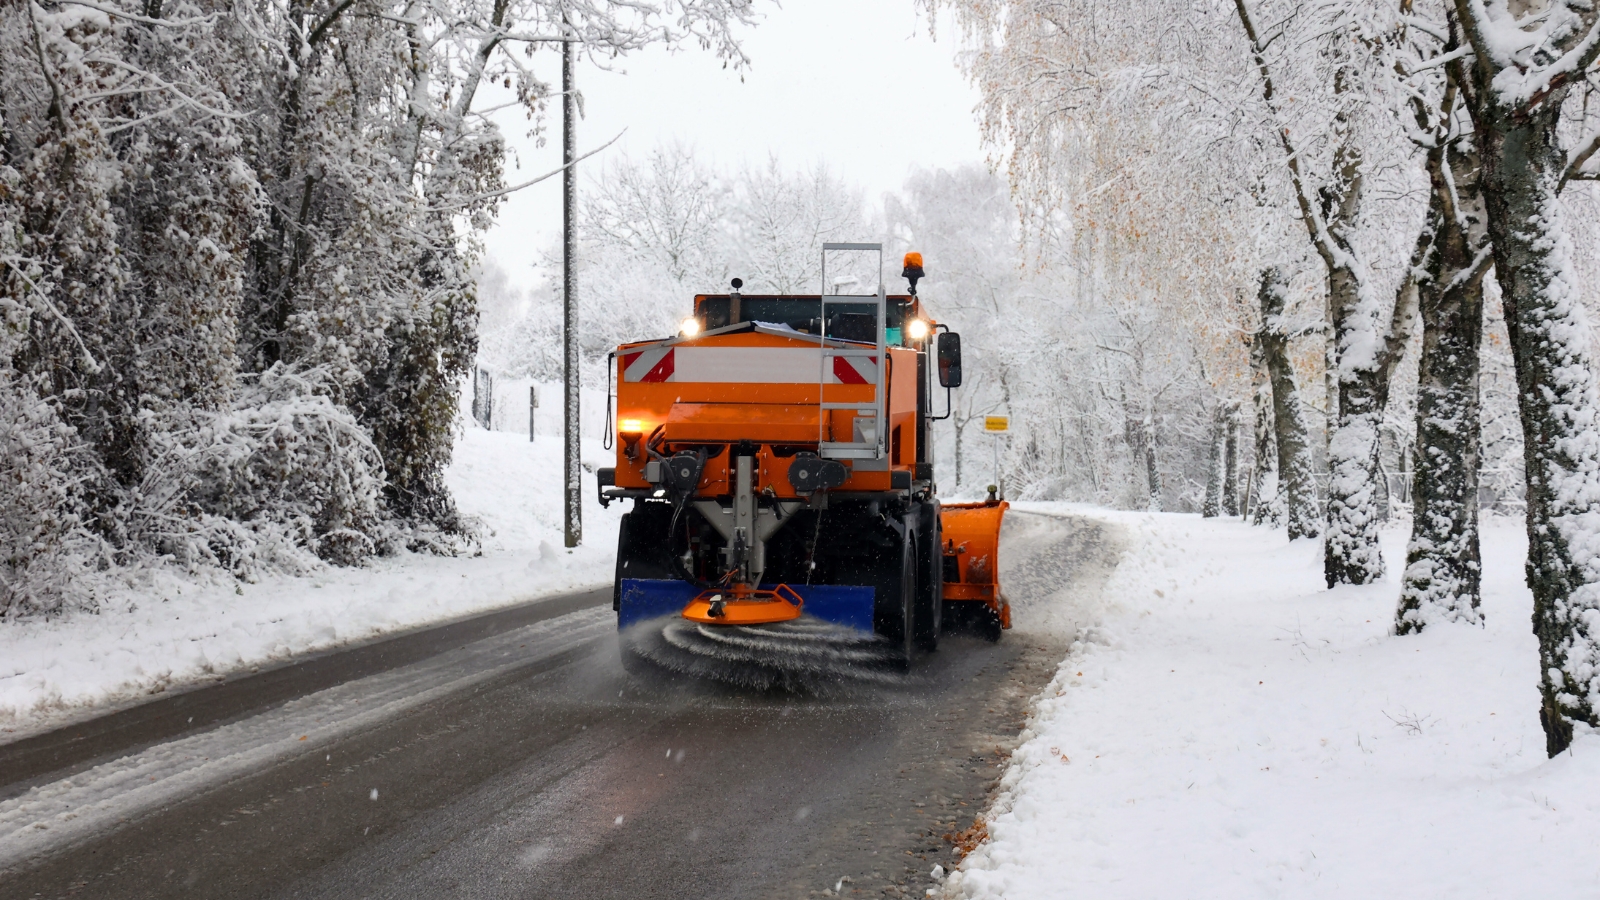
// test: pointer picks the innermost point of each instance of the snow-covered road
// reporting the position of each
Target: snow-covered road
(1227, 728)
(528, 763)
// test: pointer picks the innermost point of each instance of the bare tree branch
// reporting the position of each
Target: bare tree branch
(479, 198)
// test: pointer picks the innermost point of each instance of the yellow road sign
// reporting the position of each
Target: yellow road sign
(996, 423)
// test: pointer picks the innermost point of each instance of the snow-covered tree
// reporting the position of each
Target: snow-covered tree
(1366, 344)
(1443, 566)
(1290, 434)
(1525, 63)
(1153, 143)
(1263, 500)
(664, 212)
(238, 263)
(781, 221)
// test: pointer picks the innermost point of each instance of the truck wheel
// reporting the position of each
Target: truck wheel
(623, 546)
(643, 549)
(950, 616)
(894, 613)
(930, 581)
(906, 646)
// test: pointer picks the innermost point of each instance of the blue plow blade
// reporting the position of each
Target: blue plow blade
(649, 598)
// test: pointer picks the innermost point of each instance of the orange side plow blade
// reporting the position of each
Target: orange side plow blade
(972, 537)
(744, 605)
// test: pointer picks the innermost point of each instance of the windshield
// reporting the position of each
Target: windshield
(846, 321)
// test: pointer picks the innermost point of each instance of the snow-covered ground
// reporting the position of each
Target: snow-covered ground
(1225, 727)
(177, 632)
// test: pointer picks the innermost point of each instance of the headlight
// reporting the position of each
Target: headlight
(689, 327)
(917, 329)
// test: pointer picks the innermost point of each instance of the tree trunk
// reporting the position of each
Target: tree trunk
(1265, 501)
(1382, 479)
(1441, 581)
(1152, 472)
(1288, 417)
(1522, 167)
(1330, 385)
(1230, 463)
(1216, 476)
(1351, 554)
(1140, 436)
(1402, 324)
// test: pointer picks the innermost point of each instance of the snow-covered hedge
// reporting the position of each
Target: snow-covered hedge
(281, 474)
(42, 541)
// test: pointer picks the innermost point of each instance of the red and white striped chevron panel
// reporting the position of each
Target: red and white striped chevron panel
(736, 365)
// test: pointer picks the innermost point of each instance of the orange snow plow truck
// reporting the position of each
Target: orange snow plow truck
(778, 458)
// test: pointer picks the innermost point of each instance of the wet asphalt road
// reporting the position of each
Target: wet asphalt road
(527, 764)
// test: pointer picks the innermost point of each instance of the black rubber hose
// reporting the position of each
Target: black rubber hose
(677, 561)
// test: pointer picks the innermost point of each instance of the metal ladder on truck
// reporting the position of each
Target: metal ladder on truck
(872, 446)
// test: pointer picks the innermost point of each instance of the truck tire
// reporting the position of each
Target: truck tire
(894, 604)
(906, 644)
(643, 547)
(930, 579)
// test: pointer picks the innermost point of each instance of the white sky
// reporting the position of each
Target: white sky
(858, 84)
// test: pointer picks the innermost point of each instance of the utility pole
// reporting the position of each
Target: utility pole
(572, 459)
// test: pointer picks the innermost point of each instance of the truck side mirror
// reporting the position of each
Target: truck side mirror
(949, 359)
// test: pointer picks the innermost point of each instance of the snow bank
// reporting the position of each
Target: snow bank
(1231, 729)
(173, 632)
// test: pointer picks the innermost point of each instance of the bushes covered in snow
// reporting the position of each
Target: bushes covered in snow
(281, 473)
(41, 538)
(236, 245)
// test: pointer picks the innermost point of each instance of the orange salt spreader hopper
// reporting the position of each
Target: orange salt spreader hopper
(778, 456)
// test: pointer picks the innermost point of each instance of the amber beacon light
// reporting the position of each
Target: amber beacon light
(912, 270)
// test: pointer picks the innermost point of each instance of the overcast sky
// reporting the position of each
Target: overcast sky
(856, 83)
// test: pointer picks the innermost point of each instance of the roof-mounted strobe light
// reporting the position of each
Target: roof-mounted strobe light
(913, 270)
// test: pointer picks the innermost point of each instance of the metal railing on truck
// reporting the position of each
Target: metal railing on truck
(871, 447)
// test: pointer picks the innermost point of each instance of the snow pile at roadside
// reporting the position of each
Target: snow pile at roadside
(1232, 729)
(176, 631)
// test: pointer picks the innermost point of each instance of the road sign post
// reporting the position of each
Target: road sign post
(997, 425)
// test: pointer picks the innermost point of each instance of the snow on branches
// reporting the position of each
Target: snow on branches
(237, 261)
(1346, 119)
(1525, 64)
